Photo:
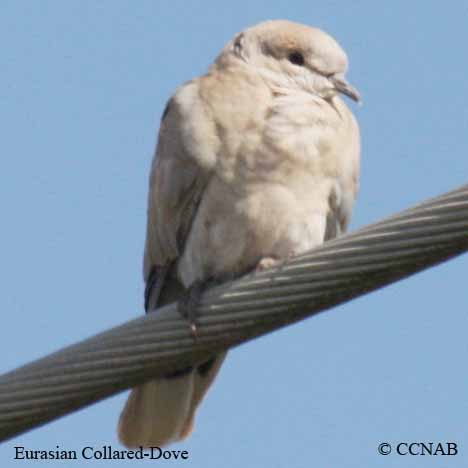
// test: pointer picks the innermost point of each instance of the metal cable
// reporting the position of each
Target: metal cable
(234, 312)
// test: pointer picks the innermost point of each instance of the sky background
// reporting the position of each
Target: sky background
(82, 88)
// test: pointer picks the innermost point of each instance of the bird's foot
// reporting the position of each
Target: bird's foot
(270, 262)
(189, 301)
(267, 262)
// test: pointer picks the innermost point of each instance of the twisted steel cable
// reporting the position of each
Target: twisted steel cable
(234, 312)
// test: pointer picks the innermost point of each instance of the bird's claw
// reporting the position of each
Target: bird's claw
(188, 303)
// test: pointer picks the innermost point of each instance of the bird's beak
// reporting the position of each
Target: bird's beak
(343, 87)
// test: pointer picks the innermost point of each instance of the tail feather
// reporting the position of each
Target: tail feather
(162, 411)
(156, 412)
(201, 384)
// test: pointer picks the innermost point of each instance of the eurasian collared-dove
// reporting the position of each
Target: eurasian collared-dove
(257, 161)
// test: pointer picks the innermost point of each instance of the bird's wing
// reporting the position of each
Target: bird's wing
(180, 170)
(341, 203)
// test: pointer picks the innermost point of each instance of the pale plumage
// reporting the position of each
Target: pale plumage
(259, 158)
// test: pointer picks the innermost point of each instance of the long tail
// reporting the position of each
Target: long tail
(162, 411)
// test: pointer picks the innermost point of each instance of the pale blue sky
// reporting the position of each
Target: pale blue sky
(82, 87)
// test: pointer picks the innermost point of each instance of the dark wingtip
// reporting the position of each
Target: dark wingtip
(166, 110)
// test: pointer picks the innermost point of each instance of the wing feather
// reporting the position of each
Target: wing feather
(179, 173)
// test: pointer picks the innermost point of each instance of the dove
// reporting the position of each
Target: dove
(256, 161)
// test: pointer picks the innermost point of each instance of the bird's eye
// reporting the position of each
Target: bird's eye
(296, 57)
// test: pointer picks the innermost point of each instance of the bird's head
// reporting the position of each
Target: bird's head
(292, 56)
